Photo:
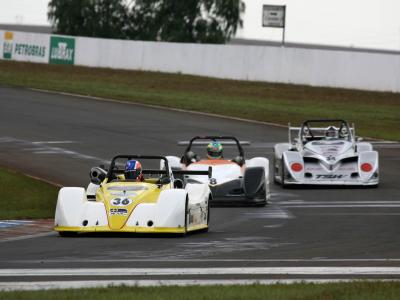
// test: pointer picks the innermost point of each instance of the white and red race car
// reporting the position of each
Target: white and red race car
(325, 152)
(235, 180)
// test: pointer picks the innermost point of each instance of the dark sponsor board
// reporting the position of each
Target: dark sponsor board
(62, 50)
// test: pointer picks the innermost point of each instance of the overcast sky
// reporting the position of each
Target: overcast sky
(357, 23)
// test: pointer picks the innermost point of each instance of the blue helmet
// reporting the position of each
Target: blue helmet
(133, 170)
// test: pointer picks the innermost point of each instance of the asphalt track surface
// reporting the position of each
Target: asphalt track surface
(312, 231)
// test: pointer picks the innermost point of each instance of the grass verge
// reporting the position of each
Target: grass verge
(375, 114)
(348, 291)
(23, 197)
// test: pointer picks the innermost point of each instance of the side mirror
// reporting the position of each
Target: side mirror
(359, 139)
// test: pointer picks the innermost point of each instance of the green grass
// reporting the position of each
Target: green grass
(22, 197)
(345, 291)
(375, 114)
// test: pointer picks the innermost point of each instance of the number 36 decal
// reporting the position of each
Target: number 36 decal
(121, 201)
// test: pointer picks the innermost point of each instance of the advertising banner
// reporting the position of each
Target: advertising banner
(25, 46)
(62, 50)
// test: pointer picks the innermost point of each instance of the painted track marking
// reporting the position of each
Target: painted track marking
(43, 147)
(296, 260)
(13, 223)
(386, 271)
(26, 237)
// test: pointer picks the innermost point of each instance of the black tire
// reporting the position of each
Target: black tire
(186, 216)
(283, 184)
(274, 170)
(68, 233)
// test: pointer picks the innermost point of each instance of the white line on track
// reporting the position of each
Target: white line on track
(343, 206)
(297, 202)
(366, 271)
(353, 214)
(26, 237)
(54, 142)
(297, 260)
(42, 148)
(51, 285)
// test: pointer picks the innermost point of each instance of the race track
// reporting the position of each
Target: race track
(312, 231)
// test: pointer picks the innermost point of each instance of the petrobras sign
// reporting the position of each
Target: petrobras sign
(25, 46)
(62, 50)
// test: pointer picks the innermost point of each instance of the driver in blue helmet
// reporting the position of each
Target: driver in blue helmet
(133, 170)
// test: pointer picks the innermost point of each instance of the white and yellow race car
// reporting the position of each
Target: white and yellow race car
(158, 204)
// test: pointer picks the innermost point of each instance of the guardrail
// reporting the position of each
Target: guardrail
(363, 70)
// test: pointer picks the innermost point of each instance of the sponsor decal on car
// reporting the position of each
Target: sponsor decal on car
(121, 201)
(330, 176)
(118, 211)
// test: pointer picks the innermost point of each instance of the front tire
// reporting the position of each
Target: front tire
(283, 175)
(186, 216)
(276, 181)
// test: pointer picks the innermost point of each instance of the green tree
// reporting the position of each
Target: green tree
(94, 18)
(191, 21)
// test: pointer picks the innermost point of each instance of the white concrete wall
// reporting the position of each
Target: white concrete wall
(315, 67)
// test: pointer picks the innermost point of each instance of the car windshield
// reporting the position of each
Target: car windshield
(150, 168)
(325, 131)
(231, 147)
